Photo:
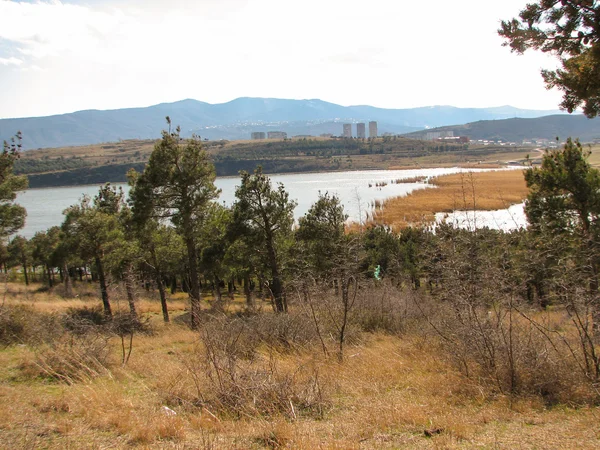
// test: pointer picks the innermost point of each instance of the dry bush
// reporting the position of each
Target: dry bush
(84, 319)
(389, 310)
(504, 350)
(284, 332)
(73, 359)
(233, 378)
(23, 325)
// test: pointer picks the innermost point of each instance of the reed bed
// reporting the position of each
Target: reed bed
(463, 191)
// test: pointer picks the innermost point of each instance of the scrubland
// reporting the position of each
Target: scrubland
(255, 379)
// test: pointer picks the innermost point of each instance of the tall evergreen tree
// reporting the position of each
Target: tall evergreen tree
(177, 185)
(12, 216)
(571, 30)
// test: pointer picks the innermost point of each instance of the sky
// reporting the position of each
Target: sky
(62, 56)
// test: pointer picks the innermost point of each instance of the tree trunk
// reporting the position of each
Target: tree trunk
(129, 290)
(218, 306)
(163, 296)
(277, 286)
(230, 289)
(161, 284)
(103, 288)
(173, 285)
(261, 287)
(194, 292)
(25, 273)
(49, 272)
(248, 293)
(67, 281)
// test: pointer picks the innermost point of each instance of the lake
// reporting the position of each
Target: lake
(45, 206)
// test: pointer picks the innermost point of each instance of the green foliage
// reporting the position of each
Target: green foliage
(31, 166)
(265, 215)
(177, 184)
(94, 230)
(571, 30)
(321, 231)
(564, 191)
(12, 216)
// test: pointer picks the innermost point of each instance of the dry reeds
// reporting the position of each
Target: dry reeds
(463, 191)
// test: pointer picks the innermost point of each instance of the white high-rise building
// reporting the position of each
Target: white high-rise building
(372, 129)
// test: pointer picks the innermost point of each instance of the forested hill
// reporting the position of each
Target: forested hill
(236, 120)
(517, 130)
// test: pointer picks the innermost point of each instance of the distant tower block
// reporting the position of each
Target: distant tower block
(277, 135)
(360, 131)
(347, 130)
(372, 129)
(258, 135)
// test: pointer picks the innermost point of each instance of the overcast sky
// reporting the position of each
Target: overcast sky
(63, 56)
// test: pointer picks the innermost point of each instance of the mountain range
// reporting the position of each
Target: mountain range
(517, 130)
(237, 119)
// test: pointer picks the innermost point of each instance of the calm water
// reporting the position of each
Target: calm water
(45, 206)
(504, 219)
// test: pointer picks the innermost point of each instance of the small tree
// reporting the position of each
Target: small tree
(96, 229)
(44, 245)
(20, 252)
(161, 251)
(266, 214)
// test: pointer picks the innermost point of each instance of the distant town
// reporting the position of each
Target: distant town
(446, 136)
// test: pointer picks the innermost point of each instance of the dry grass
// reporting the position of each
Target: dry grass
(466, 191)
(391, 392)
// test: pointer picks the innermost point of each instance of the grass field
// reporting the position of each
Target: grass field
(390, 392)
(467, 191)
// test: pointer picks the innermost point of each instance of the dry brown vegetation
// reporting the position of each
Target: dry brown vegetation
(229, 387)
(464, 191)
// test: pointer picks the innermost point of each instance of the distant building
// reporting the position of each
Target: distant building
(303, 136)
(326, 135)
(433, 135)
(360, 131)
(455, 139)
(372, 129)
(347, 130)
(277, 135)
(258, 135)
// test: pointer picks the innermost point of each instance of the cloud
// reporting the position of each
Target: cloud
(118, 53)
(43, 29)
(12, 61)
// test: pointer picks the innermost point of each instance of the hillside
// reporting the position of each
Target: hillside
(519, 129)
(236, 120)
(110, 162)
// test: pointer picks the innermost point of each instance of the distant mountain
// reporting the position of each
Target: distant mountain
(236, 120)
(517, 130)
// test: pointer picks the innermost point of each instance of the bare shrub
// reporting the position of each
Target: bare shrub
(504, 350)
(85, 319)
(234, 378)
(387, 309)
(284, 332)
(73, 360)
(494, 334)
(23, 325)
